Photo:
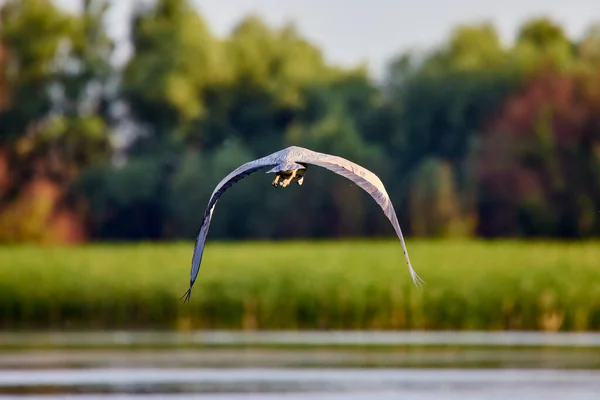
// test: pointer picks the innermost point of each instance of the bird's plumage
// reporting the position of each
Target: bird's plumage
(294, 158)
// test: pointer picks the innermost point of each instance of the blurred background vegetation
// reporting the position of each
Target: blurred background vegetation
(473, 138)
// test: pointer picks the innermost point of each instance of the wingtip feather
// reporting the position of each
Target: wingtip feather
(187, 295)
(417, 280)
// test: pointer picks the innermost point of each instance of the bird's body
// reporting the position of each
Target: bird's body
(284, 177)
(290, 165)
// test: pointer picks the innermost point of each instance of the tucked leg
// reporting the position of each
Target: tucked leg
(289, 179)
(277, 177)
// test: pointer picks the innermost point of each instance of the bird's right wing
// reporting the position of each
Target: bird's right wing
(366, 180)
(235, 176)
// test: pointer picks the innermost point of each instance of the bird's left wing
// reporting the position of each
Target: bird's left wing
(368, 181)
(235, 176)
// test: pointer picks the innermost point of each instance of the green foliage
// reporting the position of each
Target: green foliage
(54, 95)
(280, 60)
(435, 203)
(304, 285)
(188, 107)
(125, 202)
(589, 47)
(470, 48)
(25, 220)
(541, 43)
(189, 185)
(175, 59)
(539, 161)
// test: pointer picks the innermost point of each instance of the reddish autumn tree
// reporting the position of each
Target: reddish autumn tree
(539, 163)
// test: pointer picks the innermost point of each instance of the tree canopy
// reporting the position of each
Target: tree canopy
(471, 137)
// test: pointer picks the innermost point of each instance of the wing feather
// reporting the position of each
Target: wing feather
(369, 182)
(235, 176)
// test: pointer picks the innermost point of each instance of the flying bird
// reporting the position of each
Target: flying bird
(290, 165)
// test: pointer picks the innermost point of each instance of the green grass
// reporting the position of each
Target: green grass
(304, 285)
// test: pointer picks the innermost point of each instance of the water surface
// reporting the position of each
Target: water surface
(314, 365)
(324, 383)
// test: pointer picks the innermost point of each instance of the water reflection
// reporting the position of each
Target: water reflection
(312, 383)
(304, 338)
(451, 357)
(318, 366)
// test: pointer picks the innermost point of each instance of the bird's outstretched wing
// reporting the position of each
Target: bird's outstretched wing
(235, 176)
(368, 181)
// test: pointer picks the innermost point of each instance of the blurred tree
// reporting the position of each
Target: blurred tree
(541, 45)
(438, 103)
(538, 169)
(175, 58)
(126, 202)
(448, 130)
(243, 111)
(589, 46)
(335, 120)
(270, 69)
(54, 116)
(435, 207)
(474, 47)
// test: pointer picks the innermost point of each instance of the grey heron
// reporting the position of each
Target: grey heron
(290, 165)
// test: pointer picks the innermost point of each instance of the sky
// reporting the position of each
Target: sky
(373, 31)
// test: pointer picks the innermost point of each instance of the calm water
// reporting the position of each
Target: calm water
(445, 366)
(321, 383)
